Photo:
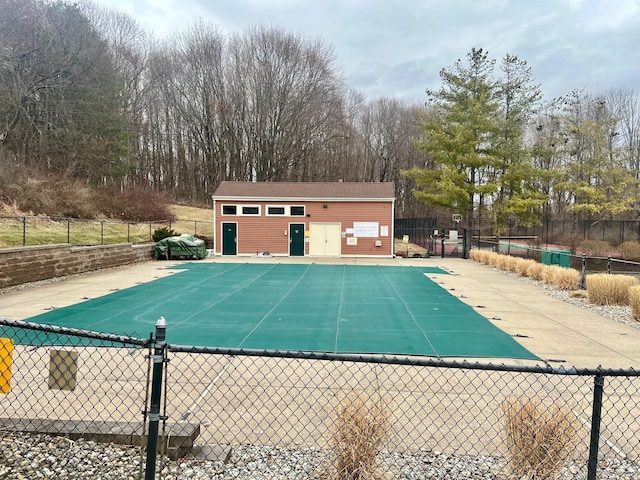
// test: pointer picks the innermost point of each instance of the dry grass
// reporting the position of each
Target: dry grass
(502, 262)
(511, 263)
(549, 272)
(595, 248)
(579, 294)
(185, 212)
(634, 301)
(362, 422)
(535, 270)
(45, 231)
(486, 257)
(566, 279)
(630, 250)
(606, 289)
(476, 255)
(560, 277)
(523, 266)
(539, 438)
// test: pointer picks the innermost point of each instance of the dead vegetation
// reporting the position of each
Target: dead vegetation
(539, 438)
(607, 289)
(362, 423)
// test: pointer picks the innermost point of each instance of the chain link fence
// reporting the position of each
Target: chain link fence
(22, 231)
(315, 415)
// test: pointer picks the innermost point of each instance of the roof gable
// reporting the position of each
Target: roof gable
(306, 190)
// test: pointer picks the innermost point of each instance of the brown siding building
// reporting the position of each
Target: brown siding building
(304, 219)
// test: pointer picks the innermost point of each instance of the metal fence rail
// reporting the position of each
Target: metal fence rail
(21, 231)
(429, 418)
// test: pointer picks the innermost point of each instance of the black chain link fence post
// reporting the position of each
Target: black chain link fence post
(156, 393)
(596, 418)
(583, 274)
(465, 251)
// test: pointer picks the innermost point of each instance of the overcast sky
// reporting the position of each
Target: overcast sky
(396, 48)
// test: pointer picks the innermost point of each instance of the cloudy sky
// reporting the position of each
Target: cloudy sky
(396, 48)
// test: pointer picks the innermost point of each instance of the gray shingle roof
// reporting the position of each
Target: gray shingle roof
(305, 190)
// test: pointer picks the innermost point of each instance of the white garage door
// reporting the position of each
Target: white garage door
(325, 239)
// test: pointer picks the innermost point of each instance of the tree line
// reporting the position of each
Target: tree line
(86, 93)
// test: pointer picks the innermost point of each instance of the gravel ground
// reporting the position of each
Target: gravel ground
(39, 456)
(42, 457)
(620, 314)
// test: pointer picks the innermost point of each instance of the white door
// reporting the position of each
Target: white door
(325, 239)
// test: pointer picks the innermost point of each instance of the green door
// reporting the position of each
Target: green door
(229, 239)
(296, 240)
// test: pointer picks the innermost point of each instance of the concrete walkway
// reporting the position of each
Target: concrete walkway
(557, 332)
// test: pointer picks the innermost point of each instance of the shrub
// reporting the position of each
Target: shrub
(494, 259)
(523, 266)
(535, 270)
(475, 255)
(138, 204)
(488, 258)
(548, 273)
(510, 263)
(163, 232)
(502, 261)
(539, 439)
(607, 289)
(566, 279)
(634, 301)
(630, 250)
(360, 430)
(595, 248)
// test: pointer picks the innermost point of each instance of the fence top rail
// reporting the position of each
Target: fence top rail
(108, 337)
(406, 360)
(308, 355)
(95, 220)
(547, 249)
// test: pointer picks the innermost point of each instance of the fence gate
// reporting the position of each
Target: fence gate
(88, 387)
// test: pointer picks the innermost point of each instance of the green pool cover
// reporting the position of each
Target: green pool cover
(327, 308)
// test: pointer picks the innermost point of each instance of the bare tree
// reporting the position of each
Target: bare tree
(60, 107)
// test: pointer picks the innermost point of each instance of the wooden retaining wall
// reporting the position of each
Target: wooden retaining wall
(30, 264)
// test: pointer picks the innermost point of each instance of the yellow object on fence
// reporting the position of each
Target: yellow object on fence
(6, 360)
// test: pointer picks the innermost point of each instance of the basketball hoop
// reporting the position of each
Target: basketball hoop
(456, 217)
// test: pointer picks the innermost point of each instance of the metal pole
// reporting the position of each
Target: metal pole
(609, 264)
(156, 393)
(596, 418)
(24, 231)
(442, 245)
(68, 230)
(583, 275)
(464, 244)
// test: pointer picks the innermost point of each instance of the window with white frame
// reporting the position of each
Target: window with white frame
(297, 210)
(251, 210)
(276, 210)
(229, 209)
(248, 210)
